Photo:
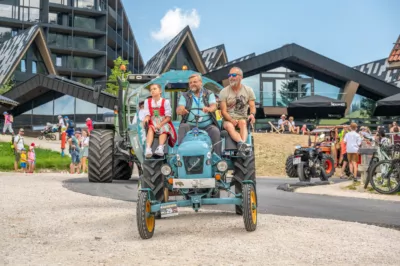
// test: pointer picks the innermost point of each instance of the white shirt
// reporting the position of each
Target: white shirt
(142, 114)
(61, 122)
(20, 142)
(353, 141)
(167, 107)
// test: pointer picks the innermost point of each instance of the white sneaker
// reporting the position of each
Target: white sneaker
(148, 153)
(160, 150)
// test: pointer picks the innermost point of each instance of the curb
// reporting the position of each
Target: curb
(292, 187)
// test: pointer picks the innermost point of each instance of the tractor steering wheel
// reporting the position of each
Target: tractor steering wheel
(198, 116)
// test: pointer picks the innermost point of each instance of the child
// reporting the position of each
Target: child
(23, 160)
(63, 140)
(74, 160)
(158, 117)
(31, 158)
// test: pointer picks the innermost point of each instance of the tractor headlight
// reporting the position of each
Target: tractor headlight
(222, 166)
(166, 169)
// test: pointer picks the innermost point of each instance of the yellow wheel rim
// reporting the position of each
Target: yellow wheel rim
(253, 205)
(150, 218)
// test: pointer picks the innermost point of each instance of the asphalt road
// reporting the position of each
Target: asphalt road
(273, 201)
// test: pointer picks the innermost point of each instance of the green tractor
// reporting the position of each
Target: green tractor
(111, 156)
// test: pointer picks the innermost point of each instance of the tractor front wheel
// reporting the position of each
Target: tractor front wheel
(153, 178)
(101, 158)
(249, 203)
(145, 219)
(245, 169)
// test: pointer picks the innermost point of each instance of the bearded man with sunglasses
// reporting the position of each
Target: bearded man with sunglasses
(235, 102)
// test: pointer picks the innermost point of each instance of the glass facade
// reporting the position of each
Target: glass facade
(78, 62)
(84, 22)
(183, 58)
(84, 3)
(47, 107)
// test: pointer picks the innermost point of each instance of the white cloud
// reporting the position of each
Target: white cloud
(174, 21)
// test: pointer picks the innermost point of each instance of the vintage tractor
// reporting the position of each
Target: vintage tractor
(192, 170)
(320, 154)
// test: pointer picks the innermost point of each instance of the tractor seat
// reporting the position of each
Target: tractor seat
(230, 144)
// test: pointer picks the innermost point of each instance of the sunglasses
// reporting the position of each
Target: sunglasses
(233, 75)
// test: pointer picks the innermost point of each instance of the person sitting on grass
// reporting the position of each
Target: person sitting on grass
(23, 160)
(158, 117)
(292, 126)
(31, 158)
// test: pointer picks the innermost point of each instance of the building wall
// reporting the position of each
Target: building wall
(84, 36)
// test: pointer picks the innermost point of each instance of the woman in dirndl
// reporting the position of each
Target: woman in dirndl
(158, 116)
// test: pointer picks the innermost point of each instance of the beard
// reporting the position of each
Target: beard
(195, 89)
(233, 83)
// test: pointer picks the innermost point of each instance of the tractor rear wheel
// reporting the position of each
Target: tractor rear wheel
(153, 178)
(244, 169)
(291, 169)
(101, 159)
(122, 170)
(328, 165)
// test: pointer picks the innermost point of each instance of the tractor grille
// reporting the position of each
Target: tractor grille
(193, 164)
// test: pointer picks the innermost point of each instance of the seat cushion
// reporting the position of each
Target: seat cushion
(230, 144)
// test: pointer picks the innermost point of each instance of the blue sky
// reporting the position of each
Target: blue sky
(351, 32)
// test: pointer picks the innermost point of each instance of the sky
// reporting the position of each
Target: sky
(351, 32)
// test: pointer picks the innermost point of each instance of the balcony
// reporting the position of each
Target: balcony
(111, 54)
(87, 73)
(77, 31)
(89, 10)
(114, 18)
(58, 49)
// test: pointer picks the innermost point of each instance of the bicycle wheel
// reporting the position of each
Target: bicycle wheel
(384, 177)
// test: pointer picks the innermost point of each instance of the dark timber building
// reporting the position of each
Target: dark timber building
(48, 86)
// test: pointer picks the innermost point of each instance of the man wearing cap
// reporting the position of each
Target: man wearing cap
(282, 123)
(18, 146)
(74, 150)
(70, 126)
(7, 123)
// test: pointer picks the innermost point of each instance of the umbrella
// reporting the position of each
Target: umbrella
(317, 106)
(389, 106)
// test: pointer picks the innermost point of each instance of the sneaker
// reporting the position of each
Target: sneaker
(243, 147)
(148, 153)
(160, 150)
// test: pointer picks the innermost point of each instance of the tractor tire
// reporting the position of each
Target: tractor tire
(302, 174)
(329, 167)
(153, 178)
(101, 159)
(249, 203)
(122, 170)
(291, 169)
(244, 169)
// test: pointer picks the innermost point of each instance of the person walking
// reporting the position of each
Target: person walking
(18, 146)
(84, 153)
(353, 143)
(8, 120)
(89, 124)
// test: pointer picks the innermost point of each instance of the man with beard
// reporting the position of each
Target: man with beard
(198, 97)
(235, 102)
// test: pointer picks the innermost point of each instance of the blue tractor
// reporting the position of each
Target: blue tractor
(191, 171)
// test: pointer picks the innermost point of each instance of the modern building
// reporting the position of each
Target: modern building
(277, 77)
(83, 36)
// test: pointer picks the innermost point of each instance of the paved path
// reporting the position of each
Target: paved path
(273, 201)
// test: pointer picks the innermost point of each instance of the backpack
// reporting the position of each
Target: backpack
(71, 124)
(11, 118)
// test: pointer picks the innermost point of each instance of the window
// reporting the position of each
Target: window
(83, 62)
(9, 10)
(58, 61)
(14, 33)
(53, 18)
(84, 3)
(60, 2)
(84, 22)
(5, 34)
(23, 65)
(83, 107)
(34, 67)
(64, 105)
(84, 43)
(86, 81)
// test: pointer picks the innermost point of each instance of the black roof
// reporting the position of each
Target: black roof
(212, 55)
(40, 84)
(300, 59)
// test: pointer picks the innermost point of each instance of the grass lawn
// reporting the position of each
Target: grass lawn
(45, 159)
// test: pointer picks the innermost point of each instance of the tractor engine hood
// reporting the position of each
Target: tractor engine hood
(195, 157)
(194, 147)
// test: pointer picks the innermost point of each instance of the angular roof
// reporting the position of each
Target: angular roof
(40, 84)
(394, 57)
(212, 56)
(380, 70)
(161, 61)
(237, 60)
(12, 50)
(300, 59)
(7, 101)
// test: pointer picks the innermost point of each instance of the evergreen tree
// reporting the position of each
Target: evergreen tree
(367, 107)
(119, 70)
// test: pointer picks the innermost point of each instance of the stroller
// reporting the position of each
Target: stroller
(48, 132)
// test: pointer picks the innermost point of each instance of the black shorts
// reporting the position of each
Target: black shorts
(345, 158)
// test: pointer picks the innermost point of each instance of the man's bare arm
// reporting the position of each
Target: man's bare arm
(224, 112)
(252, 105)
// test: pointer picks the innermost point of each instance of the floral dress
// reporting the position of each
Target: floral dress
(157, 112)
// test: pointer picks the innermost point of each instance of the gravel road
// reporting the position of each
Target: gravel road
(45, 224)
